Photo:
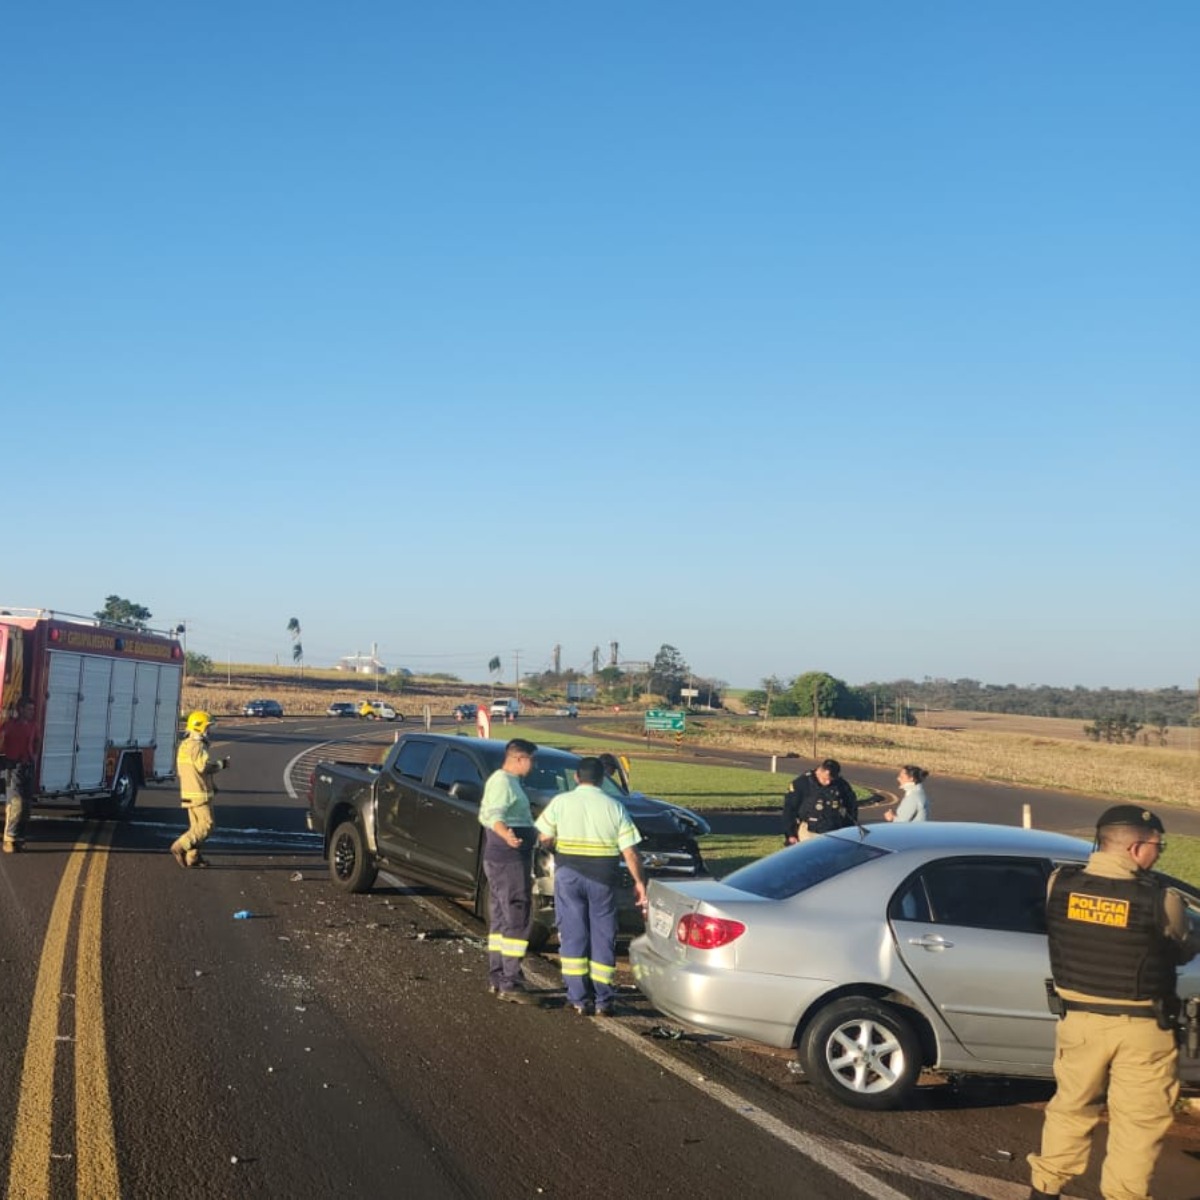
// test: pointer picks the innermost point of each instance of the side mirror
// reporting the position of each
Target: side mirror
(468, 793)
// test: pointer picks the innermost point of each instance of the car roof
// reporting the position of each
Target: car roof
(492, 747)
(966, 837)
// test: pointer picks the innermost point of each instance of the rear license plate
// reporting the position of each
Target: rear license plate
(661, 922)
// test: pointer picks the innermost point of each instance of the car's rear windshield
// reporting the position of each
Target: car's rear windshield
(800, 867)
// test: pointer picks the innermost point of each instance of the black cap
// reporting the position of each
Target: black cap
(1130, 814)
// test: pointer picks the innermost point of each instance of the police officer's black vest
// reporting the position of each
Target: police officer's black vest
(825, 808)
(1106, 936)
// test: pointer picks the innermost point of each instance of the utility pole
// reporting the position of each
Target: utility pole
(517, 675)
(180, 631)
(816, 698)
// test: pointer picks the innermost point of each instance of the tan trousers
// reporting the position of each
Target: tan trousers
(200, 825)
(1137, 1063)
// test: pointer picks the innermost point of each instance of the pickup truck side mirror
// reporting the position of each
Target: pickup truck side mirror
(468, 793)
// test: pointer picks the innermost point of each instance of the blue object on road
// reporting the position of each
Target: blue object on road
(244, 915)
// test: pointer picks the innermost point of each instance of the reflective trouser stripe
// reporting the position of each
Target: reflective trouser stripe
(586, 913)
(509, 885)
(510, 947)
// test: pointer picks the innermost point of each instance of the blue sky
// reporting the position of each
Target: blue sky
(846, 336)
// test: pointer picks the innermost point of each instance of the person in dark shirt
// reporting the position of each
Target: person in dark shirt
(18, 751)
(819, 801)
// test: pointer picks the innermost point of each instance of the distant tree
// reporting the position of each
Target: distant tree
(668, 674)
(198, 664)
(293, 627)
(124, 613)
(610, 677)
(1118, 729)
(831, 696)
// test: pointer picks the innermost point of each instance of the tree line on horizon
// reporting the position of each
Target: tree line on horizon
(1154, 706)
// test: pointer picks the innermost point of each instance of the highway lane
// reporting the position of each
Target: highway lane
(330, 1049)
(319, 1048)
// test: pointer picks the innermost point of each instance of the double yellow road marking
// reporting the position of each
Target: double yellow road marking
(95, 1157)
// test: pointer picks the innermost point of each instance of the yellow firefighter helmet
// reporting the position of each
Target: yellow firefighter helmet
(198, 722)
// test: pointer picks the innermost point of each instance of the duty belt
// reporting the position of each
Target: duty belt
(1112, 1010)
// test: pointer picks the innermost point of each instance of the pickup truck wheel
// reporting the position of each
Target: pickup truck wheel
(539, 937)
(483, 899)
(123, 796)
(349, 863)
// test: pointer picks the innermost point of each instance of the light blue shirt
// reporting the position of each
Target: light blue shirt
(914, 805)
(504, 799)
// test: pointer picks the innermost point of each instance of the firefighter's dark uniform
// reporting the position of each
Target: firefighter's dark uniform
(509, 872)
(1116, 937)
(811, 807)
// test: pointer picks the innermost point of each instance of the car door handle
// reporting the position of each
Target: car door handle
(931, 941)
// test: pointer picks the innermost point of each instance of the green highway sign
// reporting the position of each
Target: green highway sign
(662, 721)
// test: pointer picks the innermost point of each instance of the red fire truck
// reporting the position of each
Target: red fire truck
(106, 700)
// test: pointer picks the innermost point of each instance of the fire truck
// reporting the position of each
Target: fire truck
(106, 701)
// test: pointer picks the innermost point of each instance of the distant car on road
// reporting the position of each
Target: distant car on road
(507, 709)
(567, 710)
(342, 708)
(262, 708)
(377, 710)
(465, 712)
(875, 954)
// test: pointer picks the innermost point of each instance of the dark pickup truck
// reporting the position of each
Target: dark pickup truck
(417, 813)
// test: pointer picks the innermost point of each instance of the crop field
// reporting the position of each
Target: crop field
(1068, 729)
(1134, 772)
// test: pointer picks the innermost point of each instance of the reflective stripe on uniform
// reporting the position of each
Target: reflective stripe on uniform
(586, 848)
(574, 966)
(602, 972)
(513, 948)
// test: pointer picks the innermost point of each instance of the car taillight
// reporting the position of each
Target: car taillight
(708, 933)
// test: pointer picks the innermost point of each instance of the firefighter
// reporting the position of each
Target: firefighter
(19, 745)
(509, 838)
(591, 832)
(196, 768)
(1117, 934)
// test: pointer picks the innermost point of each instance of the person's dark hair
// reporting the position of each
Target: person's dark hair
(916, 774)
(614, 771)
(590, 770)
(519, 746)
(832, 766)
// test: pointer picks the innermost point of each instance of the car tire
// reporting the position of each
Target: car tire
(862, 1053)
(350, 865)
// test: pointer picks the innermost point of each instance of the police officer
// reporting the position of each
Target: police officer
(509, 838)
(818, 801)
(196, 768)
(591, 832)
(1117, 934)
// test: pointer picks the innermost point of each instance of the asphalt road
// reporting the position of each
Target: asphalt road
(153, 1045)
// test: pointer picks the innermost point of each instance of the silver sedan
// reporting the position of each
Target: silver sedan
(875, 954)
